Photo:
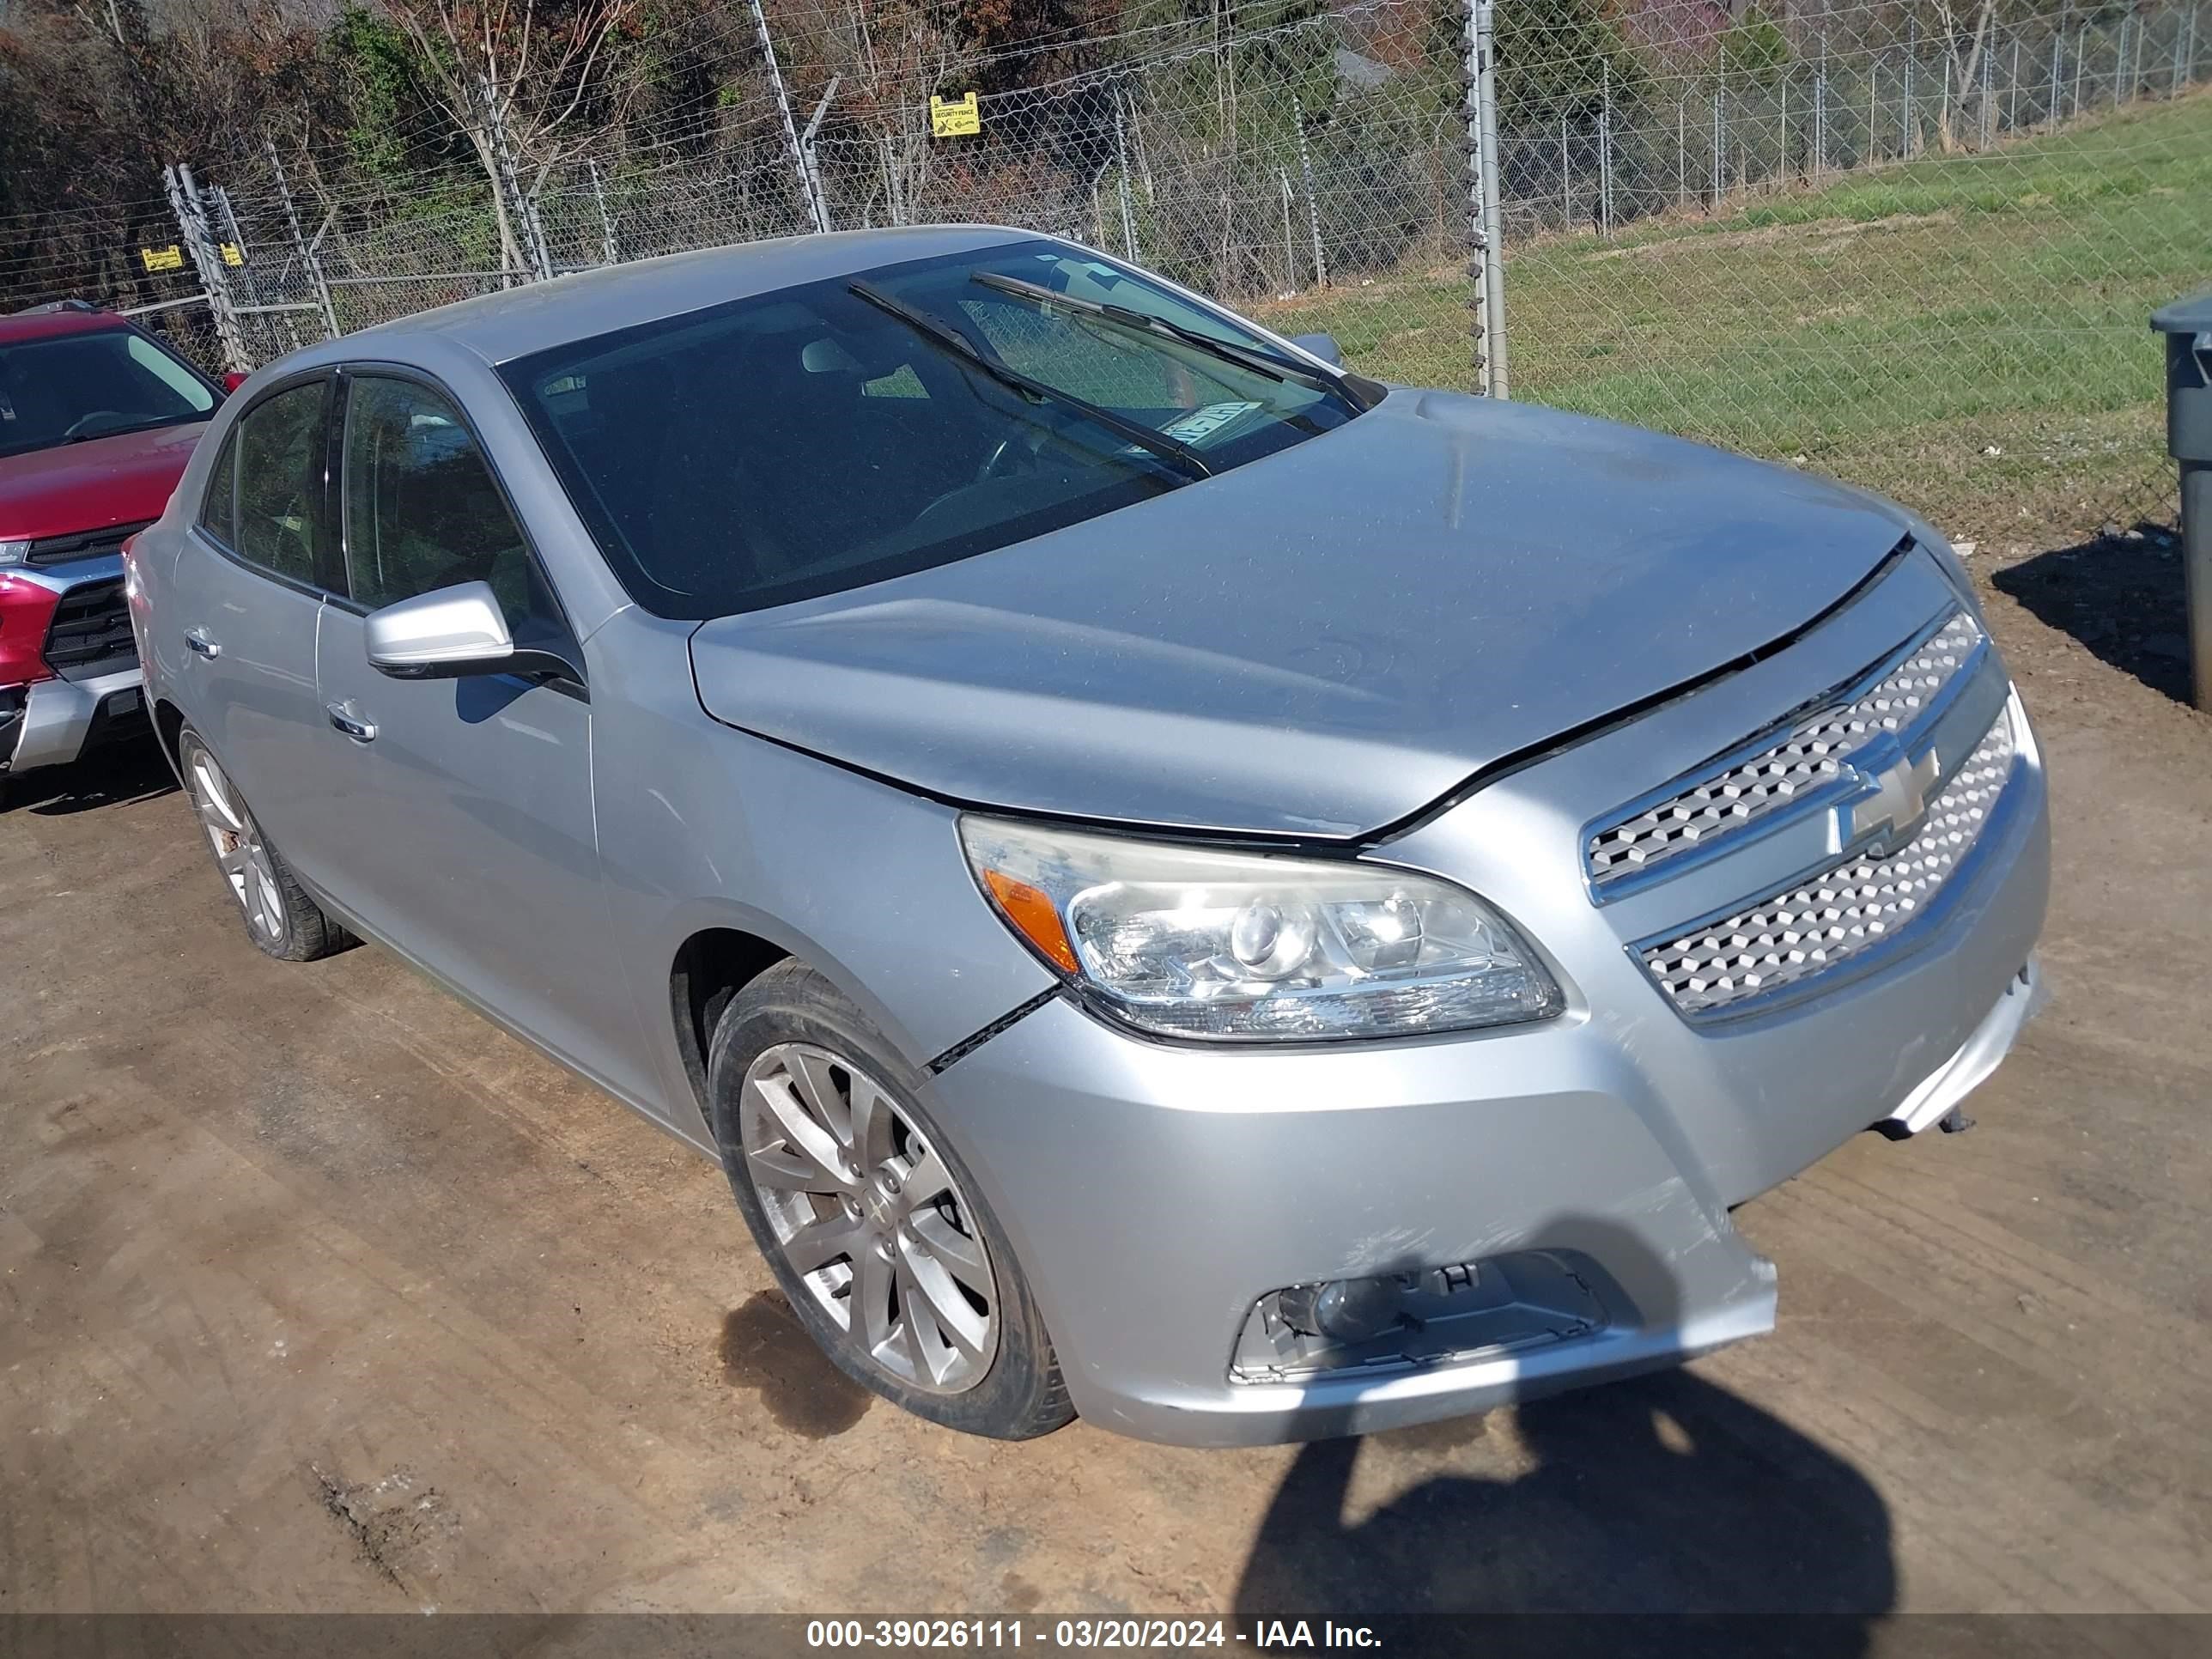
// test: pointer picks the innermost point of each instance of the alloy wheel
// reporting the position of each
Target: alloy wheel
(869, 1218)
(240, 852)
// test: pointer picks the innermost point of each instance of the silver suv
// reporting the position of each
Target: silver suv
(1180, 883)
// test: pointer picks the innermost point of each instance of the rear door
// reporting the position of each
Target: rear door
(467, 801)
(248, 586)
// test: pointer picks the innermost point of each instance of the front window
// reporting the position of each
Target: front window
(817, 438)
(70, 388)
(424, 511)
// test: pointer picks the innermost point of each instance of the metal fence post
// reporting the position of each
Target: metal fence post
(1717, 147)
(2057, 75)
(192, 222)
(812, 161)
(1912, 57)
(606, 220)
(1681, 153)
(1605, 151)
(1566, 184)
(1821, 119)
(1720, 139)
(1990, 129)
(521, 210)
(1313, 204)
(301, 251)
(1122, 157)
(891, 183)
(1289, 241)
(541, 249)
(1781, 124)
(1485, 227)
(2120, 61)
(791, 150)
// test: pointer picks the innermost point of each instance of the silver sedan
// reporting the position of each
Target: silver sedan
(1180, 883)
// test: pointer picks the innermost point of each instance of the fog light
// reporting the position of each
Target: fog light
(1426, 1315)
(1343, 1309)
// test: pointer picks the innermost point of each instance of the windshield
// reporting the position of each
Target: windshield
(817, 438)
(70, 388)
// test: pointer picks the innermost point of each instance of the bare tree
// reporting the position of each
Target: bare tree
(530, 67)
(900, 53)
(1963, 43)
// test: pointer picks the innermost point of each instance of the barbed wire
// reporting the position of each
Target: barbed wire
(1855, 237)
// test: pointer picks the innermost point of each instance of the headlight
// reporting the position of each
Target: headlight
(1243, 946)
(13, 552)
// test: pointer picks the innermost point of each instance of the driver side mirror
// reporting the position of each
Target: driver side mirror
(1322, 346)
(443, 634)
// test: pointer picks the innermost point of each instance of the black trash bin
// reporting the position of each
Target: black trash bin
(2187, 326)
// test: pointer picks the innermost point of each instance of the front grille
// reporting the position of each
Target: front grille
(92, 625)
(1811, 927)
(1701, 815)
(84, 544)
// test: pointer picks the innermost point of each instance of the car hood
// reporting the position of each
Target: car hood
(1318, 643)
(91, 485)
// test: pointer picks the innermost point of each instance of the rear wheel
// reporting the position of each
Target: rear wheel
(280, 918)
(872, 1225)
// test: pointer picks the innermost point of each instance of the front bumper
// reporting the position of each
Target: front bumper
(1155, 1191)
(62, 718)
(87, 702)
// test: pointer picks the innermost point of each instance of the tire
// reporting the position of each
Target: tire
(896, 1238)
(280, 918)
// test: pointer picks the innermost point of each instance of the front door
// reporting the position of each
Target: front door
(471, 841)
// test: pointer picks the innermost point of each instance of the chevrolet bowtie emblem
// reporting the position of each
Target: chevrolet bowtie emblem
(1899, 802)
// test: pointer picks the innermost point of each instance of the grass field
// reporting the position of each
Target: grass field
(1894, 328)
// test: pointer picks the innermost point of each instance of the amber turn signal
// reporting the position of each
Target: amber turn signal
(1034, 917)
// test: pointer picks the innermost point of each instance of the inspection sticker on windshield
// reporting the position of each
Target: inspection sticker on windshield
(1204, 422)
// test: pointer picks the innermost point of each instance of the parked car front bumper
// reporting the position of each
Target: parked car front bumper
(1156, 1192)
(83, 704)
(61, 718)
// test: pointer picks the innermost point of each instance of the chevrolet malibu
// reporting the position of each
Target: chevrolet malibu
(1179, 882)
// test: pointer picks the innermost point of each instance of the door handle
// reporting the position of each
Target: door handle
(344, 717)
(196, 640)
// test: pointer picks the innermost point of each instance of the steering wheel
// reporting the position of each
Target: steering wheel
(1015, 451)
(77, 429)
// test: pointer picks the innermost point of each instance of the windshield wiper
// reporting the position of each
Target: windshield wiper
(955, 343)
(149, 425)
(1266, 364)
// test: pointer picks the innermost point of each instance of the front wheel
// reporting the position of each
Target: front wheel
(872, 1224)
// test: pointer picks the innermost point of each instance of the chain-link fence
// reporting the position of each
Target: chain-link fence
(1912, 244)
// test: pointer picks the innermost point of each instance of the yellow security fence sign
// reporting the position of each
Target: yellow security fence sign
(951, 118)
(232, 254)
(171, 257)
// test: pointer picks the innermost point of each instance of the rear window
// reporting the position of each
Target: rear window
(811, 441)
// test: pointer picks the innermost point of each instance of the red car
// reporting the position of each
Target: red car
(97, 420)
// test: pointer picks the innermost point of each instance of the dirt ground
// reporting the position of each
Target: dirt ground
(316, 1293)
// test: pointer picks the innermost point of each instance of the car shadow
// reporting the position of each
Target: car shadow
(1666, 1494)
(2121, 594)
(129, 771)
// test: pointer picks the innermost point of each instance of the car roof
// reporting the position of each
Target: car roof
(499, 327)
(46, 324)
